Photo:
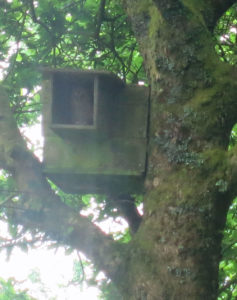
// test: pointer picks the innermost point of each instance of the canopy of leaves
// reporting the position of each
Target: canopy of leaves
(228, 265)
(225, 31)
(8, 291)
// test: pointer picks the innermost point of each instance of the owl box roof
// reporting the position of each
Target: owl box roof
(85, 74)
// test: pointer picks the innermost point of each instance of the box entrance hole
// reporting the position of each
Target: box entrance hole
(73, 100)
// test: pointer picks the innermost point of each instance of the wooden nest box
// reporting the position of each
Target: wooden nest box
(95, 130)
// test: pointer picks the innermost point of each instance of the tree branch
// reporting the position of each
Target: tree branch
(100, 18)
(173, 11)
(40, 208)
(35, 19)
(127, 208)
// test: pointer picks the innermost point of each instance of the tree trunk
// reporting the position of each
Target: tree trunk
(176, 252)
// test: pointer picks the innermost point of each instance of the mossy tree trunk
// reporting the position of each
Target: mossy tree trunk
(176, 251)
(191, 176)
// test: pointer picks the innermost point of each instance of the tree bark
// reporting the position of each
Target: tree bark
(189, 188)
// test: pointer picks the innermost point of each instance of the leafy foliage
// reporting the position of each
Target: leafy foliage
(8, 291)
(228, 266)
(233, 137)
(226, 33)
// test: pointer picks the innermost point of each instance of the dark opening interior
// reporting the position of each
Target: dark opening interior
(73, 100)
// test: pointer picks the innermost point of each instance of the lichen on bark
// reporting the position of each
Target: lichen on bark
(188, 190)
